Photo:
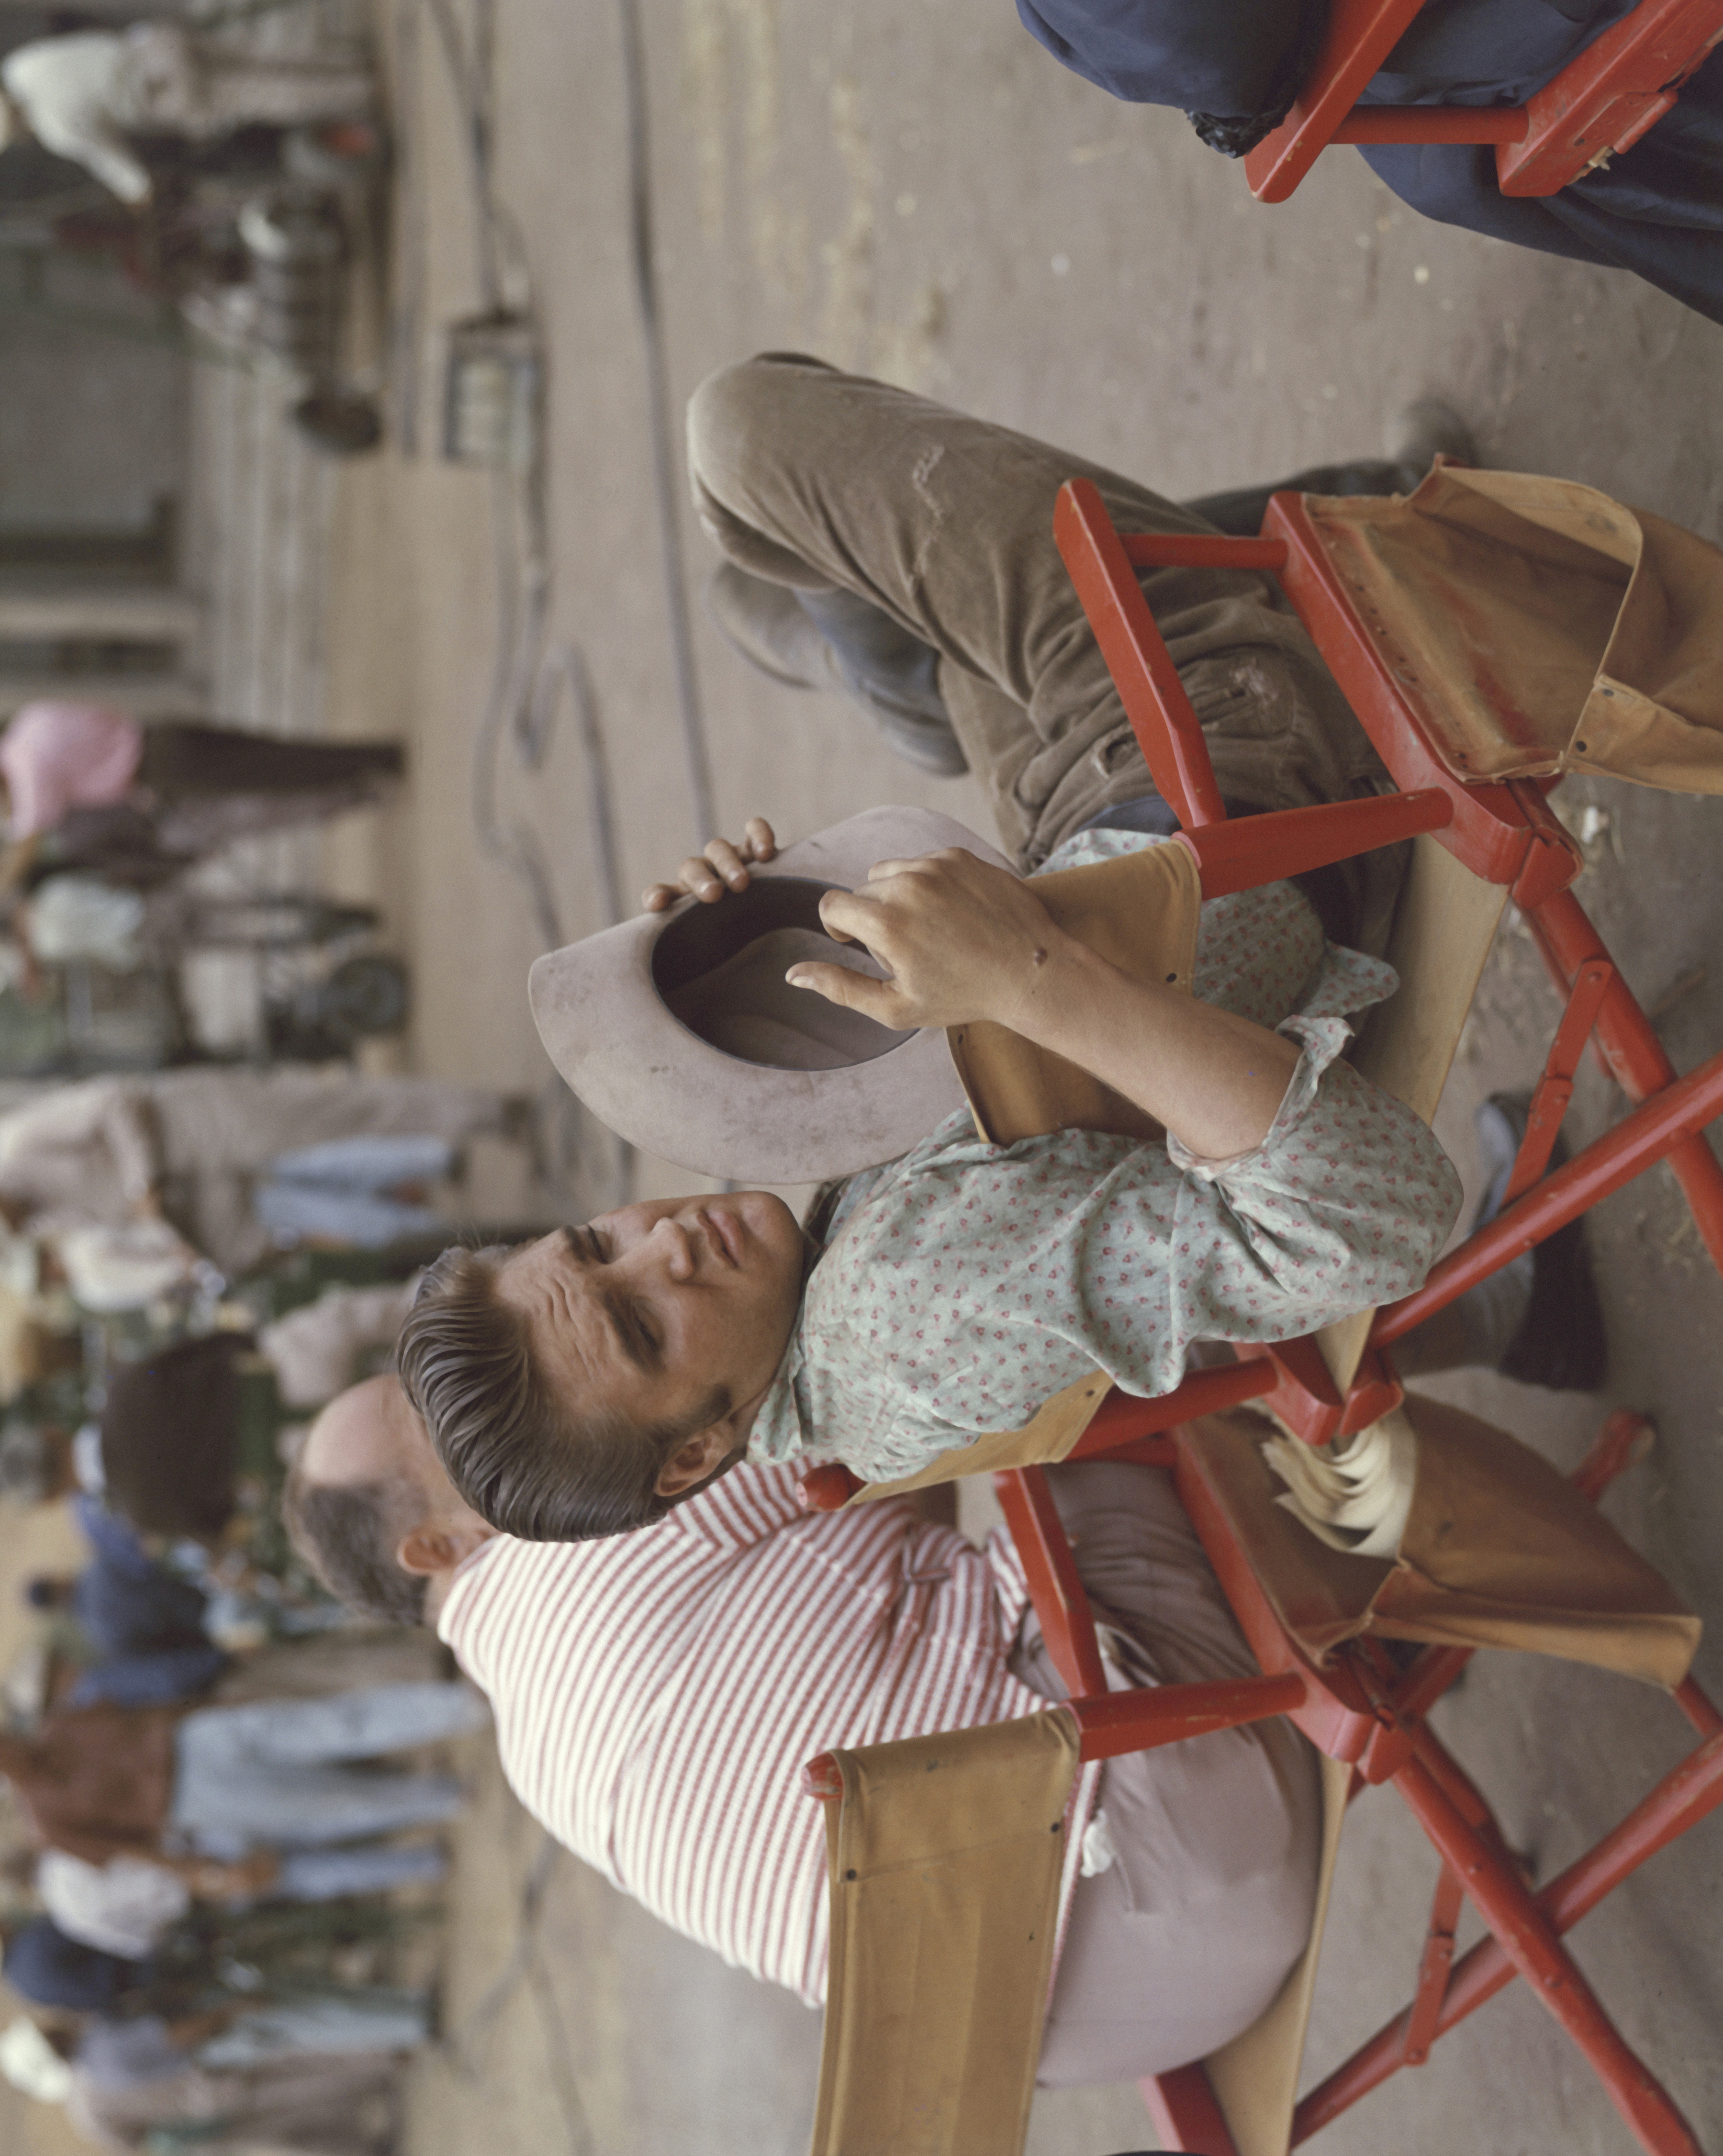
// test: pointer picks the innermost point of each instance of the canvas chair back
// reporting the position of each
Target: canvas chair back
(946, 1856)
(1498, 1551)
(1141, 913)
(1444, 924)
(944, 1881)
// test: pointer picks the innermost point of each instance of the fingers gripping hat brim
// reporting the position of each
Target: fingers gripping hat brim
(677, 1029)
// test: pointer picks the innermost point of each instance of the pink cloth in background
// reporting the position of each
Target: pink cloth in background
(58, 755)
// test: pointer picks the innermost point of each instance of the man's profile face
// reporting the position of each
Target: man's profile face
(649, 1310)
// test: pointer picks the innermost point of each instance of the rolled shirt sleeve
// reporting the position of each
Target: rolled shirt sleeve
(1344, 1204)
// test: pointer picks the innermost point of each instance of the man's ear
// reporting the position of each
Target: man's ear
(696, 1458)
(425, 1551)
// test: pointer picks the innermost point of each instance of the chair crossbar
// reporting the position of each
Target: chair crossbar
(1629, 1048)
(1600, 104)
(1651, 1133)
(1115, 1722)
(1238, 855)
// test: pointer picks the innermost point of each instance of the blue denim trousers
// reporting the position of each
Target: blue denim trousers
(274, 1772)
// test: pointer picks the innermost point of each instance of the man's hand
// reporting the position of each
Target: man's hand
(962, 941)
(721, 867)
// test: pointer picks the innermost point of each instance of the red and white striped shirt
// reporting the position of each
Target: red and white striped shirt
(657, 1695)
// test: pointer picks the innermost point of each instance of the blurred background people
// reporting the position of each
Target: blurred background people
(83, 95)
(91, 789)
(197, 1145)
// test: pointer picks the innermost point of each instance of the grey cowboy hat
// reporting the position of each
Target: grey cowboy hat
(679, 1030)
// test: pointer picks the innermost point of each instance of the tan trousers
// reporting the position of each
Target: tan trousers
(815, 479)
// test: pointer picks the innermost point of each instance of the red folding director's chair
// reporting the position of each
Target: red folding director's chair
(1603, 101)
(943, 1891)
(1439, 715)
(1408, 638)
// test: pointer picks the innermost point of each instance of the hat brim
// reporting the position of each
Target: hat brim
(600, 1010)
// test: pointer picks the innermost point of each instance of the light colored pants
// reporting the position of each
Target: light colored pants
(1184, 1941)
(329, 2028)
(325, 1875)
(220, 1127)
(268, 1772)
(817, 479)
(341, 1190)
(184, 84)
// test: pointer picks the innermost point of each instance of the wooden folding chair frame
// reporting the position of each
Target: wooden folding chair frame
(1362, 1710)
(1503, 832)
(1506, 835)
(1358, 1709)
(1600, 103)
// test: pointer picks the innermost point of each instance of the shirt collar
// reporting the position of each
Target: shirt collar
(779, 1432)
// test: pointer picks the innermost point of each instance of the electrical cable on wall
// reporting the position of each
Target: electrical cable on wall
(666, 487)
(514, 704)
(526, 684)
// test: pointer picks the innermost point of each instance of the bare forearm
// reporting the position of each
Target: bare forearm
(1215, 1080)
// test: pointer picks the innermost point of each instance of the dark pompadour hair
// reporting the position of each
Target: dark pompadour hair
(523, 1460)
(348, 1533)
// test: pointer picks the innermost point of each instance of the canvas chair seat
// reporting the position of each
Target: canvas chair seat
(1537, 627)
(1498, 1551)
(946, 1855)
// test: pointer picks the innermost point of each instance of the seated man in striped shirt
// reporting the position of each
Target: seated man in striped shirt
(656, 1695)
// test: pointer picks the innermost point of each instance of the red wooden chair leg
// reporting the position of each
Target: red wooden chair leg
(1425, 2012)
(1609, 95)
(1067, 1625)
(1161, 714)
(1630, 1051)
(1664, 1127)
(1530, 1942)
(1626, 1438)
(1186, 2116)
(1683, 1798)
(1555, 1089)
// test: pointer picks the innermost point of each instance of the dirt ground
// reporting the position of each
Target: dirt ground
(919, 191)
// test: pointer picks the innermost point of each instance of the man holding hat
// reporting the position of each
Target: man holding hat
(1240, 1182)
